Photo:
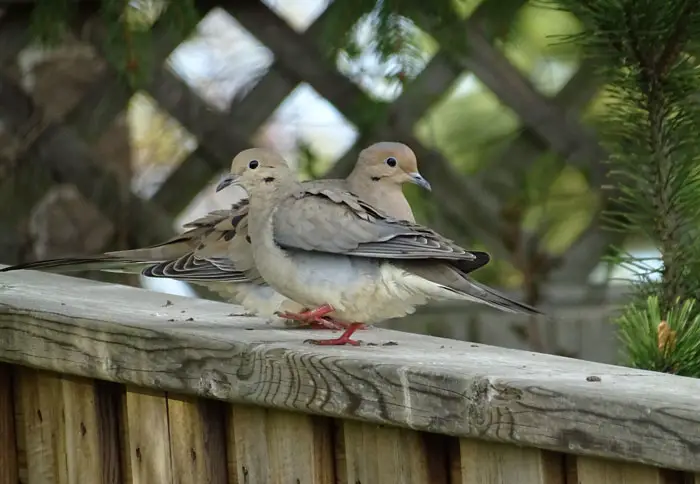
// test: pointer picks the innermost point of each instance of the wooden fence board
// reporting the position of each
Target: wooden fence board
(602, 471)
(493, 463)
(197, 442)
(278, 447)
(147, 457)
(60, 428)
(370, 453)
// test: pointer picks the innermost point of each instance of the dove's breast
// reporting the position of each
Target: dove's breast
(360, 289)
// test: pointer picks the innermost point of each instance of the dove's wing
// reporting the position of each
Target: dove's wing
(197, 254)
(336, 221)
(222, 234)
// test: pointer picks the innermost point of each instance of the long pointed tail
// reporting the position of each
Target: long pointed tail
(493, 298)
(451, 277)
(131, 261)
(75, 264)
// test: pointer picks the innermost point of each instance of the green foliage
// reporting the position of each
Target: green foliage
(310, 164)
(126, 41)
(50, 20)
(388, 30)
(651, 133)
(127, 38)
(656, 341)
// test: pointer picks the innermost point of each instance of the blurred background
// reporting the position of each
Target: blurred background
(110, 139)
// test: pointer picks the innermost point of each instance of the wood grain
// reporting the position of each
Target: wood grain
(602, 471)
(197, 443)
(146, 441)
(492, 463)
(192, 346)
(8, 449)
(368, 453)
(277, 447)
(60, 428)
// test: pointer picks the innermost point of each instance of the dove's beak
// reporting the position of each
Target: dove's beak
(418, 179)
(226, 182)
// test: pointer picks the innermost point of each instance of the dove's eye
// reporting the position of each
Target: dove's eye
(253, 164)
(391, 161)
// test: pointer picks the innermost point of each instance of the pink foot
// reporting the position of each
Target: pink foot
(313, 318)
(343, 339)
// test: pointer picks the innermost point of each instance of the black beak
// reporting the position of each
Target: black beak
(418, 179)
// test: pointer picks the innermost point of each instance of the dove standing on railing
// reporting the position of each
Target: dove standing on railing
(327, 249)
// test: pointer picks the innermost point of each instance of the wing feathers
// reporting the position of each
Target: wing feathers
(336, 221)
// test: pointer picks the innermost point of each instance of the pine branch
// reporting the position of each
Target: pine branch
(679, 37)
(650, 132)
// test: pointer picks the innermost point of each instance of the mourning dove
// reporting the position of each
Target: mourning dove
(201, 254)
(327, 249)
(378, 176)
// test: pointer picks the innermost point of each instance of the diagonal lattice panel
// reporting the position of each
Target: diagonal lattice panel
(247, 114)
(563, 134)
(431, 84)
(105, 98)
(57, 150)
(575, 142)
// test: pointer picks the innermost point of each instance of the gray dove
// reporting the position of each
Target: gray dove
(326, 248)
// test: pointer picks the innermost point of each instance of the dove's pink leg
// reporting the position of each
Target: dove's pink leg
(344, 338)
(314, 318)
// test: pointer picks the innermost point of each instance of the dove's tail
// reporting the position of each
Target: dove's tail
(452, 278)
(493, 298)
(75, 264)
(124, 261)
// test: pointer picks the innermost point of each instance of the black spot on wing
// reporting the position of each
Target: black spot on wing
(236, 219)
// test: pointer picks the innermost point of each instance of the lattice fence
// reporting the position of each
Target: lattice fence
(59, 148)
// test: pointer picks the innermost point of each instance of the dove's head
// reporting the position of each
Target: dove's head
(389, 162)
(256, 168)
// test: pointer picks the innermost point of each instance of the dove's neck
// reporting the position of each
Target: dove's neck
(262, 210)
(270, 259)
(384, 195)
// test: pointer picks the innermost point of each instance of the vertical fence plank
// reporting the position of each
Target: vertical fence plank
(368, 453)
(36, 397)
(277, 447)
(248, 458)
(8, 450)
(589, 470)
(492, 463)
(146, 440)
(197, 441)
(59, 427)
(81, 430)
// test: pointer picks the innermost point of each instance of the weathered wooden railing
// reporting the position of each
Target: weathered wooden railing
(111, 384)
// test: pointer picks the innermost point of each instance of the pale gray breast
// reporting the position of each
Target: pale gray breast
(314, 268)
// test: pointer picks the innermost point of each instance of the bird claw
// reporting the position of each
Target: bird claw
(314, 318)
(333, 342)
(343, 339)
(324, 323)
